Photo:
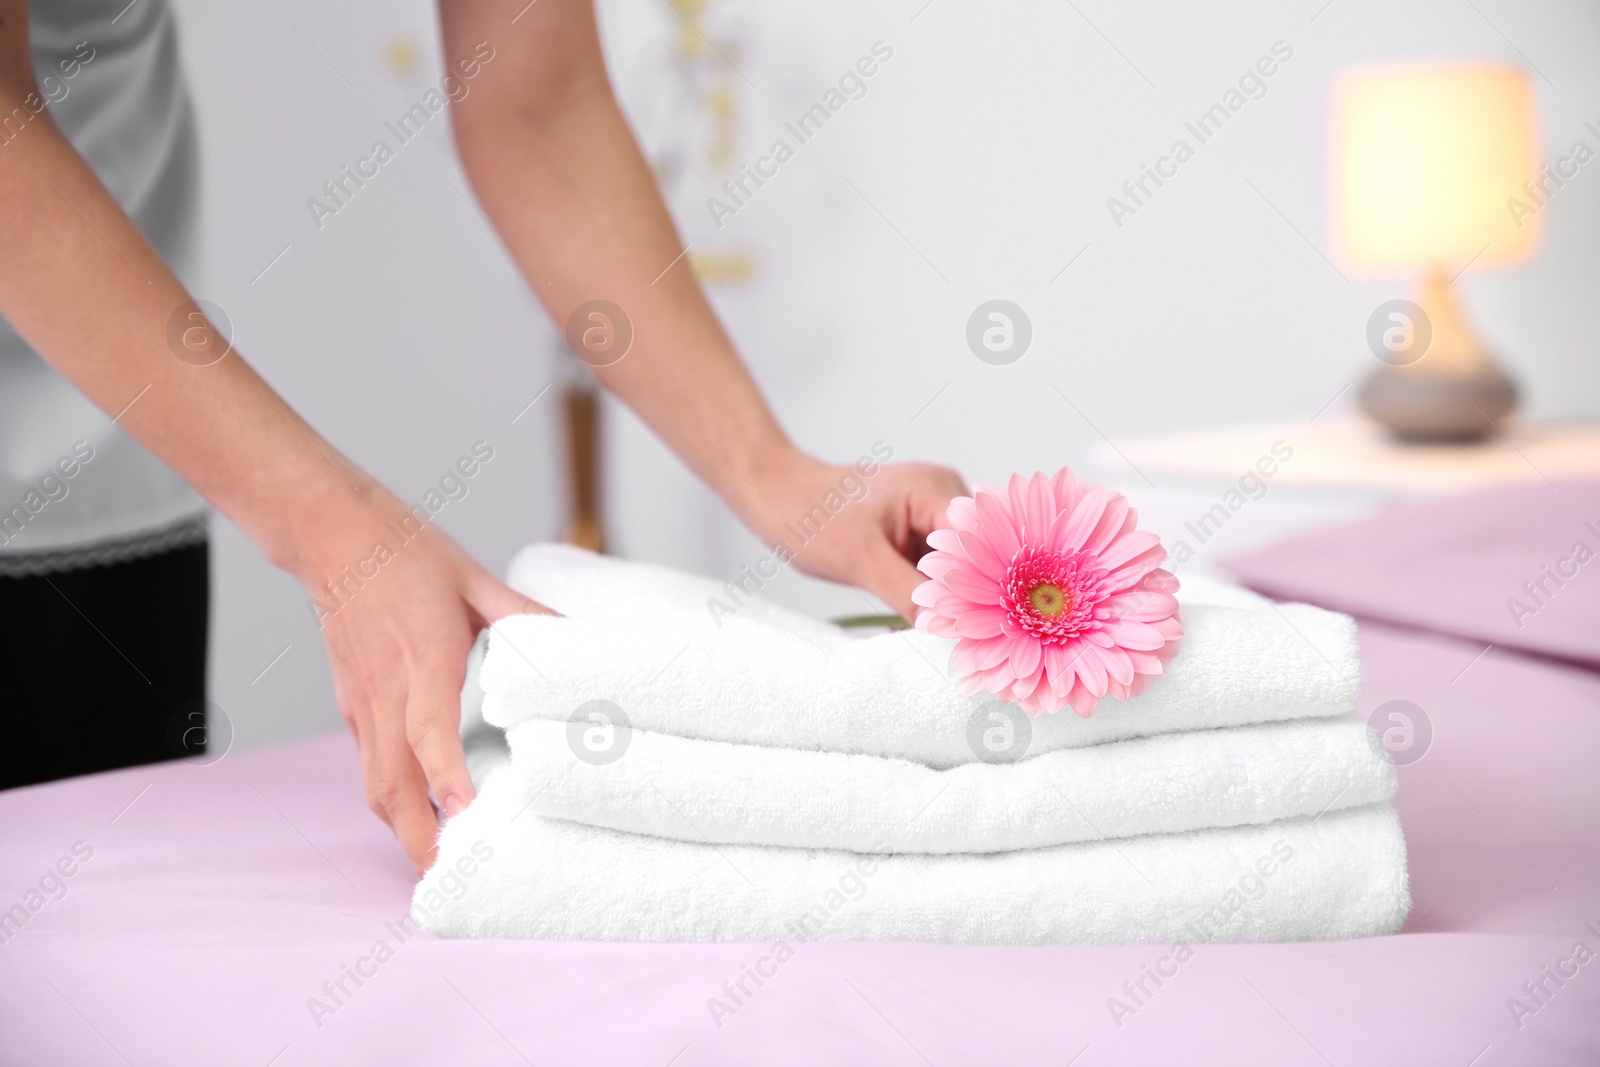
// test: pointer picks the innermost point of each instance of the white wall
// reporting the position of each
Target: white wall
(990, 142)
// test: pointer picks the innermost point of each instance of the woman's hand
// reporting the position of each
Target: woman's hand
(877, 532)
(399, 604)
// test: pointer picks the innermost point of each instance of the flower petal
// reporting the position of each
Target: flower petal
(1038, 702)
(1144, 662)
(937, 565)
(1131, 574)
(1017, 499)
(1160, 581)
(1056, 537)
(1025, 655)
(1085, 517)
(1023, 688)
(962, 514)
(928, 593)
(996, 522)
(1142, 606)
(977, 656)
(990, 652)
(1092, 670)
(999, 678)
(1041, 510)
(1067, 489)
(1109, 526)
(1137, 636)
(947, 541)
(1119, 666)
(1127, 548)
(983, 555)
(981, 623)
(965, 581)
(1082, 701)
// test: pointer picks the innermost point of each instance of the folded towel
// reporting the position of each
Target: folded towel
(755, 744)
(689, 790)
(504, 871)
(765, 678)
(584, 585)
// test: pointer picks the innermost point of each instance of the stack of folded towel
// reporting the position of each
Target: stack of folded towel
(678, 776)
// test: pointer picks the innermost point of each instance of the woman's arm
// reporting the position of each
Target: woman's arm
(558, 171)
(81, 284)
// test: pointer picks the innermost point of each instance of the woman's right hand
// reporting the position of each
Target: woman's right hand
(399, 604)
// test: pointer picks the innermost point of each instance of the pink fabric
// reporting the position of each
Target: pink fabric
(224, 896)
(1459, 565)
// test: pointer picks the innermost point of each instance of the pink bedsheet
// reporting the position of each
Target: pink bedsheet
(1516, 568)
(219, 899)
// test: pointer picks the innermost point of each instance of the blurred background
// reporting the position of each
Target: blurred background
(976, 167)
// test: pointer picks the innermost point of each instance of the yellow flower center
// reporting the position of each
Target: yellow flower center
(1048, 600)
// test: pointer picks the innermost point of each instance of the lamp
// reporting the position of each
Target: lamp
(1425, 162)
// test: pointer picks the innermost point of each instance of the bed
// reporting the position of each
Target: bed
(208, 905)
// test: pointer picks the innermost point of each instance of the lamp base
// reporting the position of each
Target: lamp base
(1453, 391)
(1438, 408)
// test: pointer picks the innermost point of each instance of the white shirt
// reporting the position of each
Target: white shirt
(109, 72)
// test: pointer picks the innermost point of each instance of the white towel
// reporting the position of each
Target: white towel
(1331, 870)
(765, 677)
(504, 871)
(673, 787)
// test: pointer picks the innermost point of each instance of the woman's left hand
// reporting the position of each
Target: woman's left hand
(847, 525)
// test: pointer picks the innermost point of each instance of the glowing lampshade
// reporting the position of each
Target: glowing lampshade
(1424, 159)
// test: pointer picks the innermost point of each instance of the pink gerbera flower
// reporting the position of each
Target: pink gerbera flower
(1052, 595)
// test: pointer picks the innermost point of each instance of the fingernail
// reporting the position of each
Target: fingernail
(453, 806)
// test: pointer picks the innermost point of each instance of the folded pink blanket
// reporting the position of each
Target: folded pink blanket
(1518, 568)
